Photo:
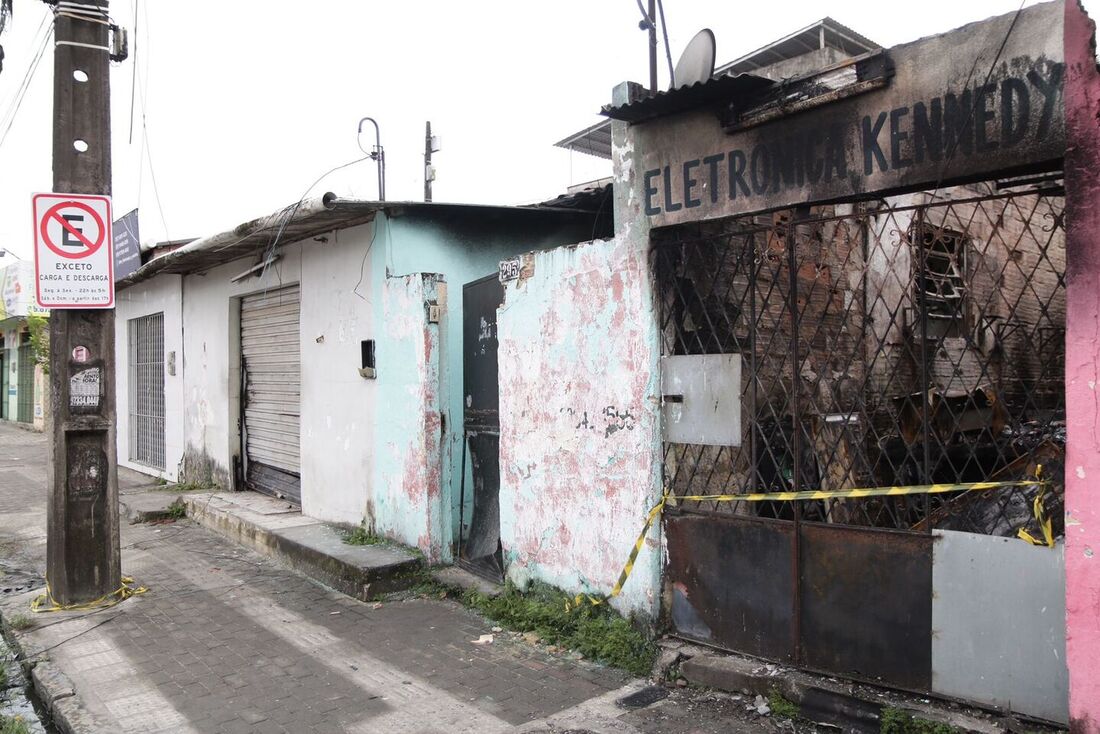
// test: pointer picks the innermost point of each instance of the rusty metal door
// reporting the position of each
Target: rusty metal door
(912, 340)
(479, 526)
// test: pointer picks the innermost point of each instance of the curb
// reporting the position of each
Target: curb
(55, 692)
(819, 699)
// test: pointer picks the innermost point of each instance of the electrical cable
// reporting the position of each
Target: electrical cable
(363, 263)
(668, 50)
(269, 251)
(133, 75)
(970, 110)
(147, 152)
(8, 120)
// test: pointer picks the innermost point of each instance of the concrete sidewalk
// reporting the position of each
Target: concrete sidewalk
(228, 640)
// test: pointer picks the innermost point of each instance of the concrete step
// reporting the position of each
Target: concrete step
(278, 529)
(143, 507)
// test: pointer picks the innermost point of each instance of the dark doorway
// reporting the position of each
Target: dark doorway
(479, 525)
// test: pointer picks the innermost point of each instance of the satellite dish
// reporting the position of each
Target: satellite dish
(696, 63)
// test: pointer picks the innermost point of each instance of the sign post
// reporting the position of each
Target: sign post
(74, 277)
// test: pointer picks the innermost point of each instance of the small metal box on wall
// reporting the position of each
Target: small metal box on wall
(701, 399)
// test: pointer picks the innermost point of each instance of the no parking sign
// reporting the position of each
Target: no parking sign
(73, 258)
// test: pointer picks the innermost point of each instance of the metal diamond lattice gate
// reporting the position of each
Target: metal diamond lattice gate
(906, 341)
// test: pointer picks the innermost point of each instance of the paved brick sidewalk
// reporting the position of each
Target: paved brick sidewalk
(227, 641)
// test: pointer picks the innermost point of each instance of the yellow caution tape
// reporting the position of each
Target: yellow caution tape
(1044, 522)
(46, 603)
(854, 493)
(618, 587)
(1040, 516)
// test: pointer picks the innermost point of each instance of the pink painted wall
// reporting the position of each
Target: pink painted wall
(1082, 167)
(579, 444)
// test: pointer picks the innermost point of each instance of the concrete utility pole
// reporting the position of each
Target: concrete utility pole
(82, 527)
(428, 173)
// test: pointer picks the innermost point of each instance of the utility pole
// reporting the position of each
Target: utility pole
(429, 174)
(83, 561)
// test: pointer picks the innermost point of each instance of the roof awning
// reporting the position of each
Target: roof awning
(713, 91)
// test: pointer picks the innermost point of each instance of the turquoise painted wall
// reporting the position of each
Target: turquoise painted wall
(462, 246)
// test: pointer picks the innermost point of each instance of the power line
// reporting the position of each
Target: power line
(133, 75)
(147, 152)
(21, 92)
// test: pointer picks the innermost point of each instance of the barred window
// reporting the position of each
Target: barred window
(943, 281)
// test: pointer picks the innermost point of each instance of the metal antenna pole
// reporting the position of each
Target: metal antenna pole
(653, 46)
(377, 154)
(427, 161)
(82, 546)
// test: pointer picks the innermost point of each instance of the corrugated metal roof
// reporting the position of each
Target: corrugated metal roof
(594, 140)
(669, 102)
(300, 221)
(836, 35)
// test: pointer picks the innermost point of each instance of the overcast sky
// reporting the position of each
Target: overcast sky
(246, 103)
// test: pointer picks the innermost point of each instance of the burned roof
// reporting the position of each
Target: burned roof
(311, 218)
(712, 91)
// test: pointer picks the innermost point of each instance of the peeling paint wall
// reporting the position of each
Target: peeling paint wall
(406, 502)
(160, 296)
(1082, 95)
(579, 407)
(382, 451)
(462, 249)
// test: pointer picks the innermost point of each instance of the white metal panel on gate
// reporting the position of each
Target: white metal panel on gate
(270, 352)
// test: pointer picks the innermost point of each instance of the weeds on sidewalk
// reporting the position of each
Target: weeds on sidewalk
(362, 536)
(783, 707)
(13, 725)
(897, 721)
(177, 510)
(595, 631)
(20, 622)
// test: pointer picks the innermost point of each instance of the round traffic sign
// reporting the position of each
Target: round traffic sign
(71, 236)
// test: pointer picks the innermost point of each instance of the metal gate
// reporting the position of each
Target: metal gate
(146, 343)
(271, 366)
(479, 539)
(25, 396)
(907, 341)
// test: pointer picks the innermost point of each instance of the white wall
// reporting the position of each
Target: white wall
(161, 295)
(338, 406)
(336, 403)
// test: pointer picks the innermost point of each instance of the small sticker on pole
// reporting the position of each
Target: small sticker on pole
(73, 251)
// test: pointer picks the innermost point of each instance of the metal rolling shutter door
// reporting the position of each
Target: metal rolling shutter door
(270, 353)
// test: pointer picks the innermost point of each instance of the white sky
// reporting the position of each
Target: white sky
(248, 102)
